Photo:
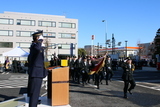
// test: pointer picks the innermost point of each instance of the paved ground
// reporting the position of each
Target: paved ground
(146, 93)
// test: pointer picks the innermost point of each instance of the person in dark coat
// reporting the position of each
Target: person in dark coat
(109, 71)
(127, 77)
(78, 67)
(72, 67)
(15, 65)
(36, 68)
(51, 62)
(85, 70)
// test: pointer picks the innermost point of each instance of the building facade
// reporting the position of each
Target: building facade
(145, 51)
(59, 32)
(120, 51)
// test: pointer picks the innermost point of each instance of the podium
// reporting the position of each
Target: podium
(58, 86)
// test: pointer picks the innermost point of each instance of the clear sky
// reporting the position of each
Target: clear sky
(131, 20)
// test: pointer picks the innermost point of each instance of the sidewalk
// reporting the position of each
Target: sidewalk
(147, 69)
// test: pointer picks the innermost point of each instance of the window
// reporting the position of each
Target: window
(67, 25)
(65, 46)
(6, 33)
(6, 44)
(51, 46)
(49, 34)
(67, 35)
(25, 22)
(24, 33)
(6, 21)
(23, 44)
(46, 23)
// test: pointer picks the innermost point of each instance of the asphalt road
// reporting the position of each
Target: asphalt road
(146, 93)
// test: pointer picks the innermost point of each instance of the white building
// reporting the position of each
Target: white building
(59, 31)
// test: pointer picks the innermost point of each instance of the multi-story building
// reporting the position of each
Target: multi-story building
(59, 32)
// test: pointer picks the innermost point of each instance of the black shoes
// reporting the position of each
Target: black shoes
(107, 83)
(39, 101)
(110, 80)
(97, 87)
(130, 92)
(125, 96)
(83, 84)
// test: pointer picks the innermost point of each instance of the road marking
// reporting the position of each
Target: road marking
(153, 87)
(17, 81)
(92, 85)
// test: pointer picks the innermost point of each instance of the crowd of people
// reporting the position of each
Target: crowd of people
(15, 66)
(80, 70)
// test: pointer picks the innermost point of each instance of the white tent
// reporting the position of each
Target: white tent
(16, 52)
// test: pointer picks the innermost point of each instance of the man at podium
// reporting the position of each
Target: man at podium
(36, 68)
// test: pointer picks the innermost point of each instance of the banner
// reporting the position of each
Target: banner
(99, 63)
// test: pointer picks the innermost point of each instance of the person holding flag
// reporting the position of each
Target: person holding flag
(99, 64)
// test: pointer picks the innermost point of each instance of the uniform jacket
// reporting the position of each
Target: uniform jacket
(36, 61)
(85, 67)
(71, 64)
(108, 65)
(128, 72)
(78, 63)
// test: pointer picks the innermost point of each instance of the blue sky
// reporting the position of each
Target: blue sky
(131, 20)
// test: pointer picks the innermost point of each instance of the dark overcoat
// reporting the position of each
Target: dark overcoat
(128, 72)
(86, 67)
(108, 65)
(36, 61)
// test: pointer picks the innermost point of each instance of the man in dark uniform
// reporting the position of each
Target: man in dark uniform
(85, 70)
(78, 65)
(72, 68)
(109, 71)
(51, 62)
(36, 68)
(127, 77)
(15, 65)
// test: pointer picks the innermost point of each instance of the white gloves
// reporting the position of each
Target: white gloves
(41, 37)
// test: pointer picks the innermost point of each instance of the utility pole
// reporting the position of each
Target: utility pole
(126, 47)
(113, 44)
(98, 49)
(105, 32)
(92, 46)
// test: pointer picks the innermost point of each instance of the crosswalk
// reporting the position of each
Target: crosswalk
(15, 81)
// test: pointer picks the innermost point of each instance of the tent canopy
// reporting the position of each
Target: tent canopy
(16, 52)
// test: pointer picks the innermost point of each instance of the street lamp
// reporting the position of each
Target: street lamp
(126, 47)
(105, 32)
(113, 44)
